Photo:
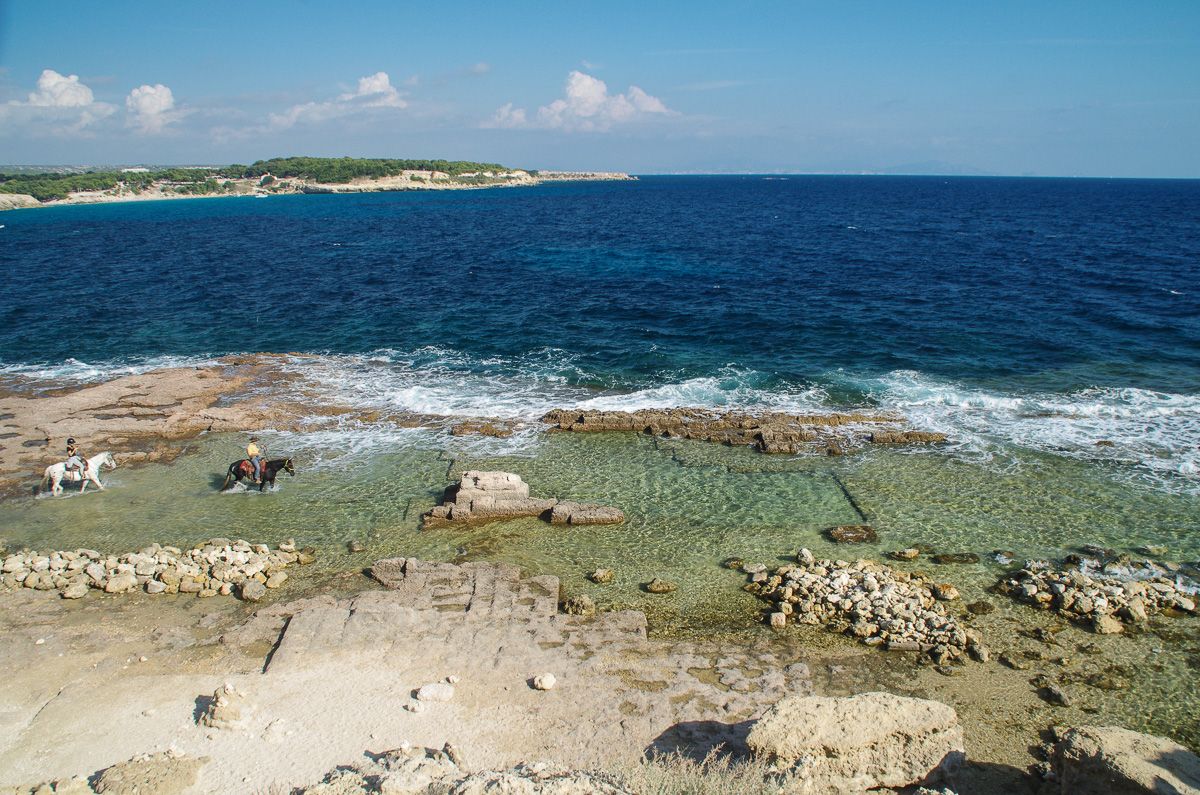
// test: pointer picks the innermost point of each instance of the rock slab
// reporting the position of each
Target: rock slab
(857, 743)
(1096, 760)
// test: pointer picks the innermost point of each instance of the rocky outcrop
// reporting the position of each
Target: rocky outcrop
(1104, 597)
(489, 496)
(1106, 760)
(875, 603)
(219, 566)
(771, 432)
(858, 743)
(17, 201)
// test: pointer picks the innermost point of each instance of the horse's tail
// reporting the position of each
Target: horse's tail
(45, 480)
(228, 477)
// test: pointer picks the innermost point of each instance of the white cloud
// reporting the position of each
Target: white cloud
(585, 106)
(61, 105)
(374, 91)
(507, 117)
(151, 108)
(60, 91)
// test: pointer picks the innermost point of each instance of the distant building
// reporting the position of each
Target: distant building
(136, 170)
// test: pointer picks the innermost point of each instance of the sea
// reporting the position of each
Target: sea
(1049, 327)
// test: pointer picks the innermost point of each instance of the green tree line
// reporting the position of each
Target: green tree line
(49, 186)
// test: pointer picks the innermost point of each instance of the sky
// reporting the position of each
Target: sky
(1017, 88)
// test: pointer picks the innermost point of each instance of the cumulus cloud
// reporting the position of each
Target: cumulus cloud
(586, 105)
(374, 91)
(151, 108)
(60, 91)
(60, 104)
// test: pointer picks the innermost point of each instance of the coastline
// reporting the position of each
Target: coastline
(644, 669)
(249, 188)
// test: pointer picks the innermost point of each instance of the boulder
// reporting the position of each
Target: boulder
(579, 605)
(1106, 760)
(862, 742)
(602, 576)
(660, 586)
(224, 711)
(120, 583)
(853, 534)
(252, 590)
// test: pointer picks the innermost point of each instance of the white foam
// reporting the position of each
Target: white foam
(449, 383)
(75, 371)
(1156, 433)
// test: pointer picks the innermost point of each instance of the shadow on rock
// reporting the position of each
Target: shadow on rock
(702, 739)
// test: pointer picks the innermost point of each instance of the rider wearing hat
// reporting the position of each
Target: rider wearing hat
(75, 459)
(256, 458)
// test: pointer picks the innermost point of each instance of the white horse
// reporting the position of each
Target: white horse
(57, 473)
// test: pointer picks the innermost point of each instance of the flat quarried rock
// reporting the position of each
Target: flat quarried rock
(490, 496)
(859, 743)
(771, 432)
(1106, 760)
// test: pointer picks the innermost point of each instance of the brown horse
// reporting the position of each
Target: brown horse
(244, 469)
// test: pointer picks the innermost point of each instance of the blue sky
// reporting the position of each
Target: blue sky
(1079, 89)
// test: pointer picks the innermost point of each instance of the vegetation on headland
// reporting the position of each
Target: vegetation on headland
(49, 186)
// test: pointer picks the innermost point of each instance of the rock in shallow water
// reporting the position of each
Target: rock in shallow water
(601, 576)
(853, 534)
(660, 586)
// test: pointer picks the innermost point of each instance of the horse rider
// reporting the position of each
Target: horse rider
(75, 459)
(255, 454)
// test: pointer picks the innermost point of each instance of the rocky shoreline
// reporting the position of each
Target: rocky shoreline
(597, 679)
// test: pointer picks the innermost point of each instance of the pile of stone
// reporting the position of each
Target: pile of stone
(771, 432)
(218, 566)
(1105, 597)
(880, 606)
(489, 496)
(414, 769)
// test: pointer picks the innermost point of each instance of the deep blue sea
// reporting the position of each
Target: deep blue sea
(1050, 313)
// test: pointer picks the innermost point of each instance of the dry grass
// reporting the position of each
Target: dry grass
(675, 774)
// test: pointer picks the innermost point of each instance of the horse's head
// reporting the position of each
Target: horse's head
(288, 468)
(110, 460)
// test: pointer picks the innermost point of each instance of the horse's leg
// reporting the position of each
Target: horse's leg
(55, 486)
(95, 476)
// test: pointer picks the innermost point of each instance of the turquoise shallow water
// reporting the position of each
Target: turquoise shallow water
(689, 506)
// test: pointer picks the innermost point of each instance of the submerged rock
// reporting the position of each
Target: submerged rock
(859, 743)
(660, 586)
(602, 576)
(956, 557)
(853, 534)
